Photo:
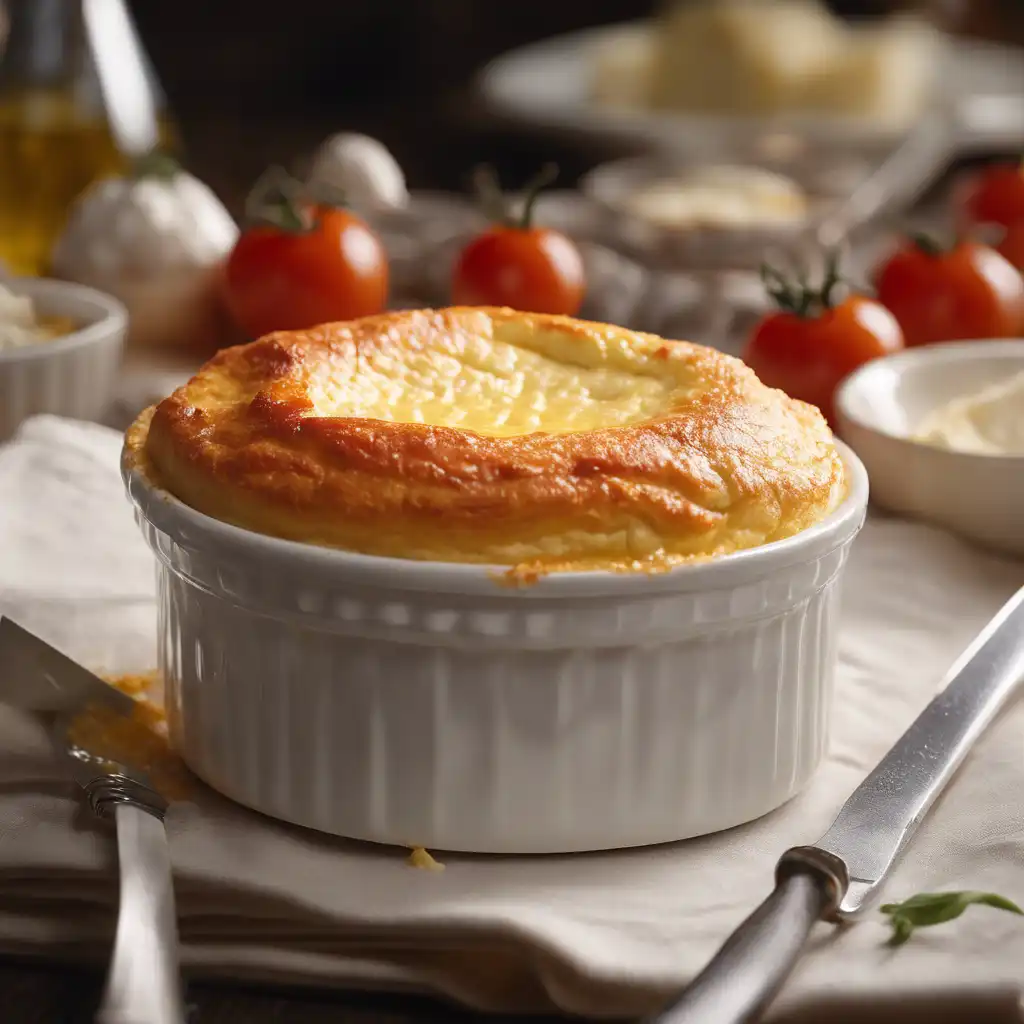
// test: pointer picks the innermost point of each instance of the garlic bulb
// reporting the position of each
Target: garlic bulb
(155, 239)
(362, 170)
(125, 229)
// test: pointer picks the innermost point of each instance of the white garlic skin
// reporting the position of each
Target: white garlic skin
(362, 170)
(126, 229)
(158, 244)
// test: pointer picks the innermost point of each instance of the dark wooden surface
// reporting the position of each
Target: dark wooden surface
(31, 993)
(255, 84)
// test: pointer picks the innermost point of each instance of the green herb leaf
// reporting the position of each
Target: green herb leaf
(902, 929)
(931, 908)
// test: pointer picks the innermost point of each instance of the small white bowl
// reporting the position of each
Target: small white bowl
(881, 406)
(74, 375)
(424, 703)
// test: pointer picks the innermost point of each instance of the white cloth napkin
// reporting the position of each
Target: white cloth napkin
(604, 934)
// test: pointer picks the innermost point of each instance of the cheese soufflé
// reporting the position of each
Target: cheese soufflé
(479, 435)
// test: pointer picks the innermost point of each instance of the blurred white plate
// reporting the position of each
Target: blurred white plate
(547, 85)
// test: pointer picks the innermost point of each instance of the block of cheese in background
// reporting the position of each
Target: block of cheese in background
(770, 57)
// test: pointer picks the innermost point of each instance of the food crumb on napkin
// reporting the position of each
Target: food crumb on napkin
(421, 858)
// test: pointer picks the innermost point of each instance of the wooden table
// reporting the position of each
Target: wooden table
(35, 993)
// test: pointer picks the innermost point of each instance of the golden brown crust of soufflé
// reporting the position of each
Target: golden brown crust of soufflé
(485, 435)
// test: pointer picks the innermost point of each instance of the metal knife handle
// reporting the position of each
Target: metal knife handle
(747, 972)
(144, 985)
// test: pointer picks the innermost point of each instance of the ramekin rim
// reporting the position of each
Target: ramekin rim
(170, 514)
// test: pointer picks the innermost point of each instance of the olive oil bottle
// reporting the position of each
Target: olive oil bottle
(54, 136)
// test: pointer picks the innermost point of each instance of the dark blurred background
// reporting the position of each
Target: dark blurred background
(255, 83)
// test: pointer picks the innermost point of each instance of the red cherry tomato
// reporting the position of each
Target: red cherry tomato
(968, 291)
(312, 264)
(1012, 245)
(533, 269)
(995, 195)
(808, 355)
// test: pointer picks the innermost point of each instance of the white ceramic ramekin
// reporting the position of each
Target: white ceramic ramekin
(74, 375)
(421, 703)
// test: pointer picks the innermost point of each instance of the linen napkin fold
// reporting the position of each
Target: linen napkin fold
(604, 935)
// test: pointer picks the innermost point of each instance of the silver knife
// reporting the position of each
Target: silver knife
(837, 877)
(143, 986)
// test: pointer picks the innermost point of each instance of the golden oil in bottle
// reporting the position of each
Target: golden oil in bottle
(54, 137)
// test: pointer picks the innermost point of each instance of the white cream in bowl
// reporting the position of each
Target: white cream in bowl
(21, 325)
(941, 432)
(989, 421)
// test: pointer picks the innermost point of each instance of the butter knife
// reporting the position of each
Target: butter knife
(143, 985)
(837, 877)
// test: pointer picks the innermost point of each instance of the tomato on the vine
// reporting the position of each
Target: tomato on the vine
(302, 262)
(993, 195)
(514, 263)
(816, 338)
(950, 294)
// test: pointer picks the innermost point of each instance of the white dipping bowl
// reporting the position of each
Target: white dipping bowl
(881, 406)
(73, 375)
(425, 703)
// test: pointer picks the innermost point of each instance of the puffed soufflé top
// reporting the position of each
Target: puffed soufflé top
(490, 436)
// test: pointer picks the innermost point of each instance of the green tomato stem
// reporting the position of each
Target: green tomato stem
(279, 200)
(155, 164)
(541, 180)
(494, 204)
(798, 296)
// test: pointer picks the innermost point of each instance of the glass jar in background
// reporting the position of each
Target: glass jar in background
(54, 136)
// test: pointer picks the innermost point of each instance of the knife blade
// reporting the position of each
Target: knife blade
(143, 986)
(37, 677)
(836, 878)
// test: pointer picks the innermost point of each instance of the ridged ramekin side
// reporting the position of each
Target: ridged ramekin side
(510, 726)
(73, 375)
(78, 382)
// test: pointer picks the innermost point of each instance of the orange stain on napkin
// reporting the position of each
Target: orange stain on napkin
(139, 740)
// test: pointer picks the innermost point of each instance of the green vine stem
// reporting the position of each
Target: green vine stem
(544, 178)
(494, 203)
(282, 201)
(796, 295)
(929, 244)
(489, 194)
